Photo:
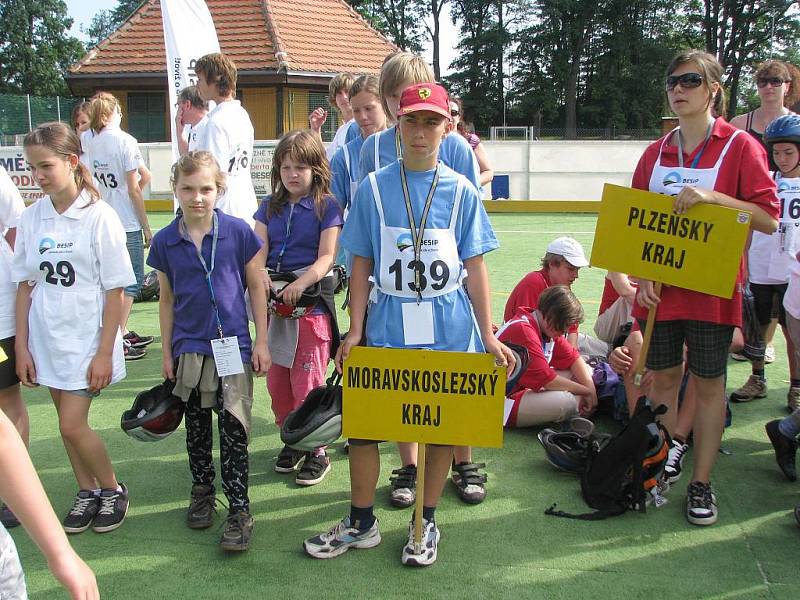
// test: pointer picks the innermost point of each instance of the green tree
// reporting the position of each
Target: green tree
(399, 20)
(106, 22)
(35, 50)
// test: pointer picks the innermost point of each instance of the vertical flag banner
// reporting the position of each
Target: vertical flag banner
(189, 33)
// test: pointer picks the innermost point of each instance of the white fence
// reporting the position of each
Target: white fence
(536, 170)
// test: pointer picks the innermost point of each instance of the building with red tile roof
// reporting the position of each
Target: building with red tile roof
(286, 52)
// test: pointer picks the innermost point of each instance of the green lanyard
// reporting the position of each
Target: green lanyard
(418, 234)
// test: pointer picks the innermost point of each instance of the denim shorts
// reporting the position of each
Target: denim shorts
(135, 245)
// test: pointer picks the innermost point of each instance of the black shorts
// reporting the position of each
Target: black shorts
(8, 368)
(706, 343)
(769, 301)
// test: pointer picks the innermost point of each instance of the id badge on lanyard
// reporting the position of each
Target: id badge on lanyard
(418, 317)
(225, 349)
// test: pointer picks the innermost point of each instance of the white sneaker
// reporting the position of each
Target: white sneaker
(674, 466)
(769, 354)
(430, 543)
(340, 538)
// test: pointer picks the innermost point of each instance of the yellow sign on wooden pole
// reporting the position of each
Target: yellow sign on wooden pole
(431, 397)
(637, 233)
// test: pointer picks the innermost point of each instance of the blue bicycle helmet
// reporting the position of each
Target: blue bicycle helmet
(783, 129)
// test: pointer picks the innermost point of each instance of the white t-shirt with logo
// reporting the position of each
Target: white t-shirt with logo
(194, 133)
(110, 156)
(71, 259)
(11, 207)
(228, 134)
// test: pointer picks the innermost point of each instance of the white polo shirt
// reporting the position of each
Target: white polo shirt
(11, 207)
(110, 156)
(228, 134)
(71, 259)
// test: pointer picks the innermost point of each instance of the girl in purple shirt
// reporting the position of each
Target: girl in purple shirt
(300, 225)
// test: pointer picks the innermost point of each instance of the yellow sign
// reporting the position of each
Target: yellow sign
(425, 396)
(3, 357)
(637, 233)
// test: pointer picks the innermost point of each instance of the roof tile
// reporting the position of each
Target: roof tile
(317, 36)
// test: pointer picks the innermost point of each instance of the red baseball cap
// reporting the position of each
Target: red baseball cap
(425, 96)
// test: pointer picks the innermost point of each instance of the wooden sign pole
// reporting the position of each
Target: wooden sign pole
(420, 499)
(648, 333)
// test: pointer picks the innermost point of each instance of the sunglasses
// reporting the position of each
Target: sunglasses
(454, 113)
(687, 81)
(770, 81)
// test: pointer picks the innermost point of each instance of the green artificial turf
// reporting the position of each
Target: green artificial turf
(505, 547)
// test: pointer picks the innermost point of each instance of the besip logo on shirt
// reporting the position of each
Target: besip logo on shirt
(46, 244)
(785, 186)
(404, 241)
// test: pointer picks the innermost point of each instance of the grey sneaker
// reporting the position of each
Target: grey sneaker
(238, 530)
(429, 546)
(113, 508)
(793, 399)
(202, 507)
(404, 486)
(701, 504)
(340, 538)
(314, 470)
(469, 481)
(83, 511)
(755, 387)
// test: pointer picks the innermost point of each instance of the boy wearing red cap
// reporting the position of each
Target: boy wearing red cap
(421, 302)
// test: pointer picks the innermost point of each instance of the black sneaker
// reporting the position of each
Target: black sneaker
(404, 486)
(469, 481)
(238, 529)
(132, 353)
(785, 449)
(113, 508)
(202, 507)
(8, 518)
(82, 513)
(136, 340)
(288, 460)
(701, 504)
(313, 470)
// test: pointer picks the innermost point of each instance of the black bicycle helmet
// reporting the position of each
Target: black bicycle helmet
(150, 288)
(318, 420)
(521, 355)
(155, 413)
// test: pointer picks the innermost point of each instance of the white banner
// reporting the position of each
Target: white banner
(189, 33)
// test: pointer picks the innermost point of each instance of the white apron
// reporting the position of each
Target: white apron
(671, 180)
(440, 266)
(786, 238)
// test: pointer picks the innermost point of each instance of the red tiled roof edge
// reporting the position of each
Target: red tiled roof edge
(361, 18)
(135, 16)
(277, 43)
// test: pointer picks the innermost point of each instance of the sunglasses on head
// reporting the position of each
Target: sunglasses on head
(455, 113)
(770, 81)
(687, 80)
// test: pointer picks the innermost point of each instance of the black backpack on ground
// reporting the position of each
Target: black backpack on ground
(620, 471)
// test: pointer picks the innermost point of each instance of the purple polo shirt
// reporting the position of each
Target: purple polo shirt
(194, 321)
(304, 230)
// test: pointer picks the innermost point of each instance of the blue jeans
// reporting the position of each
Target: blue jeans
(135, 245)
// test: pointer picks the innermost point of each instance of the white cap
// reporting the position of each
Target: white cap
(570, 249)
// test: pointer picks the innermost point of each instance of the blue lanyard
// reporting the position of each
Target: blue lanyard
(696, 159)
(208, 270)
(285, 239)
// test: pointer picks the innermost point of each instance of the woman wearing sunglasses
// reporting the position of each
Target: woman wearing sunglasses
(725, 167)
(776, 92)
